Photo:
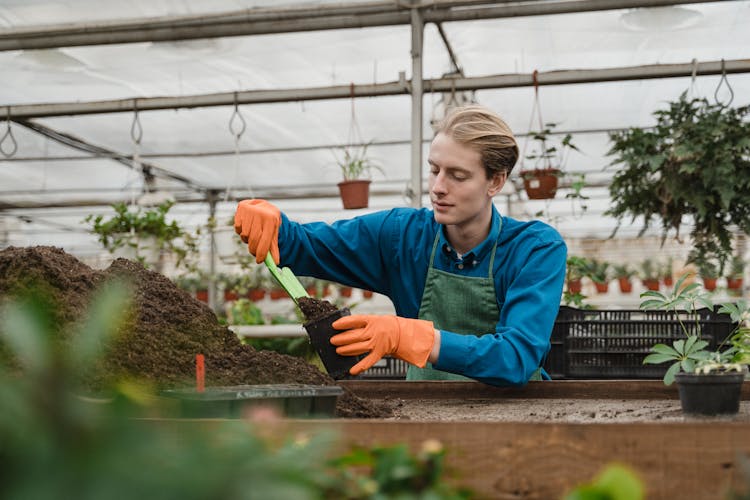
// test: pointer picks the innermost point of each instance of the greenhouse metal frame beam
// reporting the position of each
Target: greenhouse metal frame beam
(402, 87)
(302, 18)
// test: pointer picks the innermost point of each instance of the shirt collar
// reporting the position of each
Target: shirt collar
(479, 252)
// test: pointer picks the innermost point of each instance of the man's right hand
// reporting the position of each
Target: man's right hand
(257, 222)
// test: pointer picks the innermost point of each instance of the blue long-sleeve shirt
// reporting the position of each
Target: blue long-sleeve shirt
(389, 252)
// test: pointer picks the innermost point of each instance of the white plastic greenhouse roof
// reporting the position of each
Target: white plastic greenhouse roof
(602, 69)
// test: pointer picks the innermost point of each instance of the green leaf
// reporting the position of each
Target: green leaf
(671, 372)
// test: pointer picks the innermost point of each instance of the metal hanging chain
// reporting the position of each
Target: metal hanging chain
(136, 134)
(8, 135)
(536, 112)
(236, 115)
(691, 89)
(355, 135)
(237, 127)
(729, 87)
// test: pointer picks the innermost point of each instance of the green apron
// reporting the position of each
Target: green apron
(459, 304)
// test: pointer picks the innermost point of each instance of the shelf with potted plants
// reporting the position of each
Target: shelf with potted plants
(709, 381)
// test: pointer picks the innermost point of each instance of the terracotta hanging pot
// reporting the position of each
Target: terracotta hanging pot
(355, 194)
(540, 184)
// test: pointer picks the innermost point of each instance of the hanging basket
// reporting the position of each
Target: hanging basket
(355, 194)
(540, 184)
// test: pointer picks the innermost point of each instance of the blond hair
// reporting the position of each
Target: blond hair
(484, 131)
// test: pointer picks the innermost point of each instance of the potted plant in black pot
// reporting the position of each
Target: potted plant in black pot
(692, 168)
(709, 382)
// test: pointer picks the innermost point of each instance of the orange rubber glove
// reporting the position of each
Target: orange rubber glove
(257, 222)
(411, 340)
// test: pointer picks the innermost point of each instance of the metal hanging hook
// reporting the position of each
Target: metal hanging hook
(136, 131)
(8, 135)
(236, 115)
(725, 81)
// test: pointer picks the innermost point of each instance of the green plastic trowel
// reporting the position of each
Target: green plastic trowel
(286, 278)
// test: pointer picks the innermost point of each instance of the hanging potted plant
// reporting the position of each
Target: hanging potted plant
(708, 382)
(692, 167)
(541, 181)
(356, 168)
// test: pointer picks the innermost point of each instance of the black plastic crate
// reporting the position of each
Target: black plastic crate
(612, 343)
(387, 368)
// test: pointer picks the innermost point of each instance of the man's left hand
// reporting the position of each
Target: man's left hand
(411, 340)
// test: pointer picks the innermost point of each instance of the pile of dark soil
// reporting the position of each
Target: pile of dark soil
(168, 328)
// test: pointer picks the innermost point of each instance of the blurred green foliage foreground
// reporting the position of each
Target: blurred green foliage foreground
(58, 442)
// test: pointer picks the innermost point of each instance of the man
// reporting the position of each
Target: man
(476, 294)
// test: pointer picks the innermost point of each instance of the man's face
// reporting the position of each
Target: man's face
(459, 189)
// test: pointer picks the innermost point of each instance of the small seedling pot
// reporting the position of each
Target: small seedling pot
(287, 400)
(320, 332)
(710, 394)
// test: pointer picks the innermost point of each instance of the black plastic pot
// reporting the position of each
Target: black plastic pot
(320, 332)
(711, 394)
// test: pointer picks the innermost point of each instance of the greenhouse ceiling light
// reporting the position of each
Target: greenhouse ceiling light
(660, 18)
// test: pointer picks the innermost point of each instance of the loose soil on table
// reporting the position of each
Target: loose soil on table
(165, 331)
(550, 410)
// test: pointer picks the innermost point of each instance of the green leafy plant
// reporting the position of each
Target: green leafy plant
(649, 270)
(576, 267)
(691, 354)
(129, 226)
(61, 441)
(394, 472)
(545, 154)
(623, 271)
(355, 163)
(615, 482)
(737, 266)
(598, 270)
(694, 143)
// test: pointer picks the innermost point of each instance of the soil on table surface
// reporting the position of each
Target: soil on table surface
(159, 341)
(551, 410)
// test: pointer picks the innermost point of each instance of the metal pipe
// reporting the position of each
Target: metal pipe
(417, 46)
(285, 20)
(562, 77)
(268, 331)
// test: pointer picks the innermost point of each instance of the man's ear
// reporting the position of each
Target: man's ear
(497, 182)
